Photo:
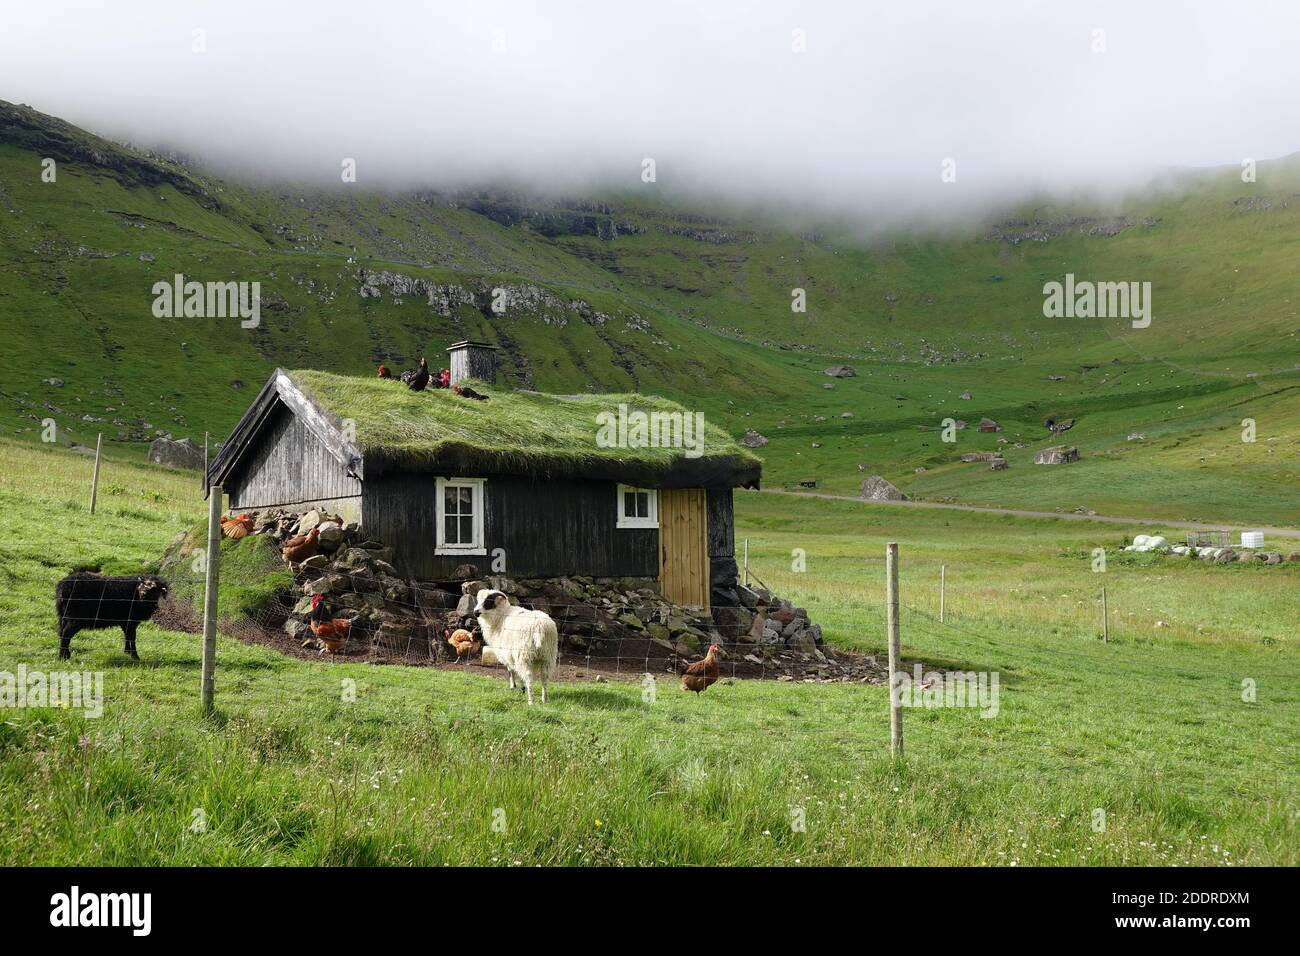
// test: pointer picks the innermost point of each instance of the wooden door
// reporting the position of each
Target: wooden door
(683, 546)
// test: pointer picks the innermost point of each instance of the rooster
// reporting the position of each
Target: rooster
(382, 371)
(301, 547)
(464, 643)
(417, 379)
(329, 634)
(464, 391)
(701, 674)
(240, 526)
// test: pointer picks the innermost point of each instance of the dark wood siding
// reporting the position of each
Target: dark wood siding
(722, 548)
(722, 527)
(547, 528)
(288, 467)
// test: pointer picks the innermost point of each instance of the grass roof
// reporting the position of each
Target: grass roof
(518, 433)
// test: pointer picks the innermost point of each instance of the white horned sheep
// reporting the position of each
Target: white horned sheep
(525, 641)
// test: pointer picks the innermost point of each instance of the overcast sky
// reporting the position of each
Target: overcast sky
(1020, 94)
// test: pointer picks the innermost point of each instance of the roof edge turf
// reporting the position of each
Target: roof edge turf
(377, 425)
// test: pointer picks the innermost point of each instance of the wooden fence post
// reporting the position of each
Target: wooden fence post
(94, 478)
(746, 562)
(211, 580)
(943, 572)
(895, 699)
(1105, 619)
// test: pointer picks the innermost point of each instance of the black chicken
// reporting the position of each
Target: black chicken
(417, 379)
(464, 391)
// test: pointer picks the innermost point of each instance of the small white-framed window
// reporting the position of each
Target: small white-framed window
(460, 516)
(638, 507)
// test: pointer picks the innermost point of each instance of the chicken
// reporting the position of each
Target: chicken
(383, 372)
(443, 380)
(463, 642)
(417, 379)
(701, 674)
(301, 547)
(329, 634)
(240, 526)
(464, 391)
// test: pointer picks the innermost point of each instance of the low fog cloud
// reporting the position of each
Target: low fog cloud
(1021, 95)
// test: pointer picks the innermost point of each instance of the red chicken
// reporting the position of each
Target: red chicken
(330, 634)
(463, 641)
(240, 526)
(698, 676)
(383, 372)
(301, 547)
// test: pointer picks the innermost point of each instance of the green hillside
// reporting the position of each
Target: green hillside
(636, 293)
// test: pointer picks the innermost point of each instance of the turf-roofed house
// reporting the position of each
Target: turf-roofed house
(529, 484)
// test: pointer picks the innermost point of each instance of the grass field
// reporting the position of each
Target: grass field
(434, 767)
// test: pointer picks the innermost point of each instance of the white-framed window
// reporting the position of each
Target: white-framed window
(460, 516)
(638, 507)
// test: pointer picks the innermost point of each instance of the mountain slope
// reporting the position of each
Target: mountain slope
(630, 292)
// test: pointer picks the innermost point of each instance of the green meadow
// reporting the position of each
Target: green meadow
(1134, 752)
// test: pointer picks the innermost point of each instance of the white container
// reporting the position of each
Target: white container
(1252, 539)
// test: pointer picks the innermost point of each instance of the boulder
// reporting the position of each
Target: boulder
(989, 425)
(331, 536)
(998, 464)
(176, 454)
(753, 439)
(435, 599)
(802, 641)
(1057, 455)
(841, 371)
(877, 488)
(311, 519)
(353, 559)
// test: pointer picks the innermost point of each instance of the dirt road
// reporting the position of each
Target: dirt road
(1067, 515)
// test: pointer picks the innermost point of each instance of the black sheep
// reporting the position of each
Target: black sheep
(88, 602)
